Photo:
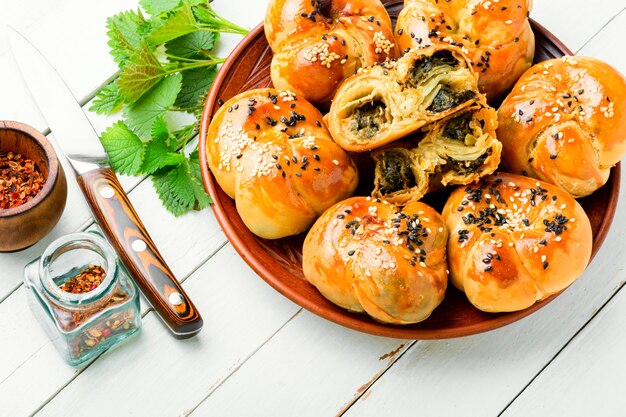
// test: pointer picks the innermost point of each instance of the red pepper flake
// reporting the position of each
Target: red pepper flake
(20, 180)
(88, 280)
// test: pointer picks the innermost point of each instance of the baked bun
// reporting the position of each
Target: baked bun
(370, 256)
(565, 123)
(495, 35)
(318, 43)
(270, 152)
(386, 102)
(514, 241)
(459, 149)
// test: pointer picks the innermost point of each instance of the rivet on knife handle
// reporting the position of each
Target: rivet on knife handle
(135, 247)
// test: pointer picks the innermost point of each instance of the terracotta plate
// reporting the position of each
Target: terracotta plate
(279, 262)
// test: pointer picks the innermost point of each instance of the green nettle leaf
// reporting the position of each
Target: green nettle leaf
(181, 23)
(108, 100)
(159, 130)
(125, 149)
(195, 45)
(141, 114)
(158, 153)
(194, 164)
(124, 31)
(140, 74)
(196, 82)
(205, 14)
(175, 188)
(157, 7)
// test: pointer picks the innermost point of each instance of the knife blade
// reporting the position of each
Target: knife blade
(110, 204)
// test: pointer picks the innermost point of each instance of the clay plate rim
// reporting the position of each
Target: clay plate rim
(346, 318)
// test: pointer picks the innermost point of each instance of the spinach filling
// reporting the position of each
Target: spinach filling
(367, 119)
(423, 66)
(447, 98)
(396, 172)
(469, 167)
(459, 127)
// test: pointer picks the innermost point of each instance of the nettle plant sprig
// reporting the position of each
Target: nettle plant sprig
(165, 65)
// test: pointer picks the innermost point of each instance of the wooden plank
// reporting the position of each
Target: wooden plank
(589, 372)
(608, 41)
(311, 367)
(575, 21)
(241, 313)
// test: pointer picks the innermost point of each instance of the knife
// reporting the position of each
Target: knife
(110, 204)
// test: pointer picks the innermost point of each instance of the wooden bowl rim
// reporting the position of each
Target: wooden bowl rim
(30, 133)
(348, 319)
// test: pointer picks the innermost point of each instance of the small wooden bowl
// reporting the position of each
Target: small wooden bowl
(24, 225)
(279, 262)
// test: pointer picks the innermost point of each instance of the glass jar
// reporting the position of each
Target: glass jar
(82, 325)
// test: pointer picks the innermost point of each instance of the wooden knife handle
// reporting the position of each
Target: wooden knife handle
(129, 237)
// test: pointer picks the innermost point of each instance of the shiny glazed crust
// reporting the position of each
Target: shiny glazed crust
(564, 122)
(370, 256)
(386, 102)
(514, 241)
(270, 151)
(495, 35)
(458, 150)
(316, 44)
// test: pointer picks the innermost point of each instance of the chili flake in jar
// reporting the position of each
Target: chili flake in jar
(88, 280)
(20, 180)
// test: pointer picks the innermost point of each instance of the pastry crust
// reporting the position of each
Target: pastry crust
(317, 44)
(495, 35)
(564, 122)
(386, 102)
(369, 256)
(458, 150)
(514, 241)
(270, 151)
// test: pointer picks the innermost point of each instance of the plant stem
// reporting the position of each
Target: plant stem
(209, 28)
(201, 64)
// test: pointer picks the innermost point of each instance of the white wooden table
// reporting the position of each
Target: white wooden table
(261, 355)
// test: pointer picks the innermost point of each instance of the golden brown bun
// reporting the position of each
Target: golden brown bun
(495, 35)
(317, 44)
(514, 241)
(460, 149)
(565, 123)
(369, 256)
(389, 101)
(270, 151)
